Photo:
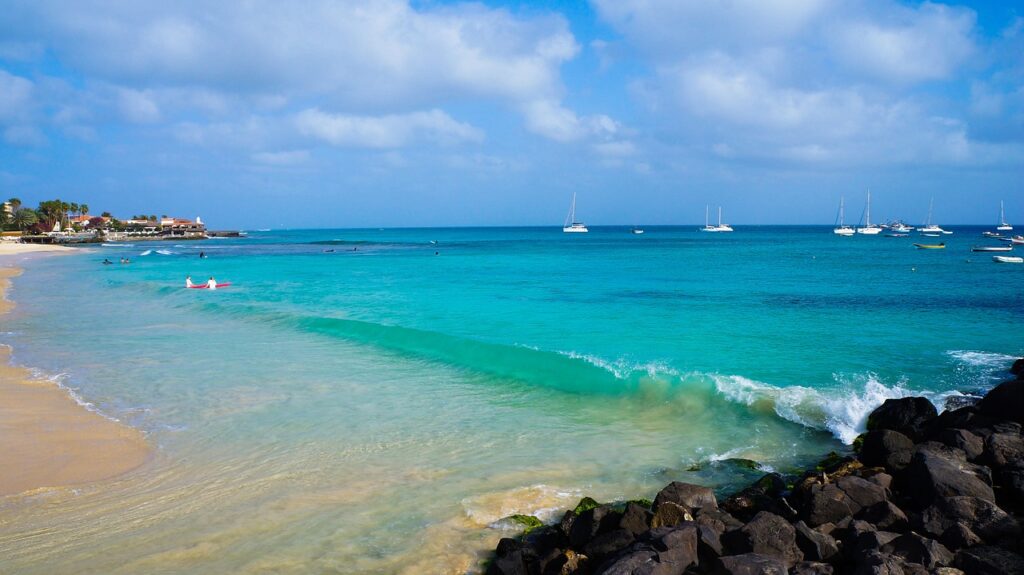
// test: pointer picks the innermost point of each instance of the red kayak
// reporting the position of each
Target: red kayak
(204, 286)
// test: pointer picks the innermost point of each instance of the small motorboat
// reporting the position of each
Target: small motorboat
(1017, 240)
(1008, 259)
(992, 249)
(930, 246)
(988, 234)
(637, 231)
(896, 235)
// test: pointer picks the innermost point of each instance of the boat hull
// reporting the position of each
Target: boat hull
(1008, 259)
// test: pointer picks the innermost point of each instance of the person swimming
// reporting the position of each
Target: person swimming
(211, 283)
(202, 255)
(107, 262)
(188, 281)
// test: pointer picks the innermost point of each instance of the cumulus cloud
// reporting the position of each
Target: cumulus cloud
(348, 58)
(804, 81)
(387, 131)
(928, 43)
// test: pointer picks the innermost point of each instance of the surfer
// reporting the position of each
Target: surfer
(211, 283)
(188, 281)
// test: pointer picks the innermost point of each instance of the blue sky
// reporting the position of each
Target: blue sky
(391, 113)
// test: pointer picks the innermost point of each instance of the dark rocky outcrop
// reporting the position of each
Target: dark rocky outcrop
(926, 494)
(751, 564)
(766, 534)
(1005, 401)
(987, 560)
(907, 415)
(886, 448)
(687, 495)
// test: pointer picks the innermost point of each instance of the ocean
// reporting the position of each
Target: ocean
(377, 400)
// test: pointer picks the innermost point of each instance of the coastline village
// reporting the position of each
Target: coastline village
(59, 222)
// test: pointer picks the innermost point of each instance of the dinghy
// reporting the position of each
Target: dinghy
(992, 249)
(930, 246)
(1008, 259)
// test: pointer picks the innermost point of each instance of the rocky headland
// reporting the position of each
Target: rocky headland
(923, 493)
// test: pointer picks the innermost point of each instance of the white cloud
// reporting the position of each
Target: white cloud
(15, 97)
(551, 119)
(929, 43)
(387, 131)
(138, 106)
(666, 29)
(283, 158)
(347, 57)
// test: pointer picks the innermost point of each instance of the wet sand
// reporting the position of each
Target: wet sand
(49, 440)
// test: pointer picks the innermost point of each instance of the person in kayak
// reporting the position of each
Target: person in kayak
(188, 281)
(211, 283)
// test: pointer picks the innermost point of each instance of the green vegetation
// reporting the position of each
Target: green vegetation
(529, 522)
(585, 504)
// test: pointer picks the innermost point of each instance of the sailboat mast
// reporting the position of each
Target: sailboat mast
(842, 214)
(1002, 217)
(719, 216)
(867, 218)
(707, 215)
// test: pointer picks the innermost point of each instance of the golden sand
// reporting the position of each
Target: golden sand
(14, 248)
(49, 440)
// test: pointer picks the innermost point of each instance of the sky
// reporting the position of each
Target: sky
(394, 113)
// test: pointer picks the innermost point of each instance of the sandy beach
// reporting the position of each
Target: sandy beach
(46, 438)
(14, 248)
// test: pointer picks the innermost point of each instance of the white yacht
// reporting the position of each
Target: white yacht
(571, 226)
(1003, 226)
(843, 229)
(901, 228)
(930, 229)
(710, 228)
(868, 228)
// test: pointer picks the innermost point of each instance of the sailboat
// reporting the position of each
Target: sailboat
(720, 227)
(843, 229)
(571, 226)
(869, 229)
(930, 229)
(1003, 226)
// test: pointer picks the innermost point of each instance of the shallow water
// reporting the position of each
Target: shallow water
(380, 410)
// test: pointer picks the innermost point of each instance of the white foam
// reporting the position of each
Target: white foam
(117, 245)
(164, 252)
(624, 369)
(842, 411)
(981, 358)
(146, 253)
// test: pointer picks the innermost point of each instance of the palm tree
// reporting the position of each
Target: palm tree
(24, 218)
(83, 209)
(4, 219)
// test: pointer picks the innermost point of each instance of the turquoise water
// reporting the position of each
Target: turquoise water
(365, 401)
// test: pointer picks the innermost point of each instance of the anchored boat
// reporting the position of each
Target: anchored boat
(571, 226)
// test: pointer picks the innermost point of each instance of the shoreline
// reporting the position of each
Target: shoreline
(922, 493)
(47, 439)
(17, 248)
